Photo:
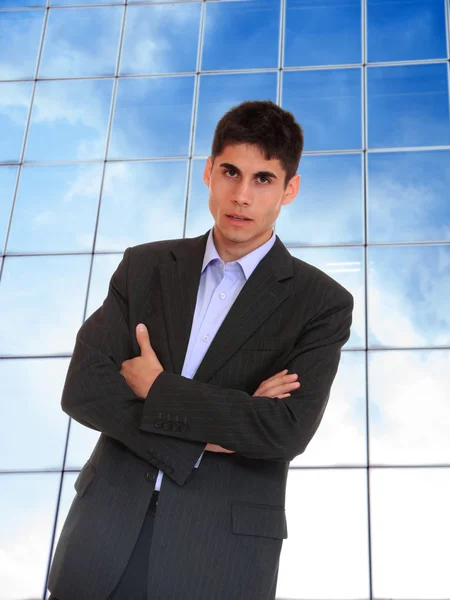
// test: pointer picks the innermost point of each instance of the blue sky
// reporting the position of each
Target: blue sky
(373, 212)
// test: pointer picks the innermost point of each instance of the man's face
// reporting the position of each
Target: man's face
(242, 181)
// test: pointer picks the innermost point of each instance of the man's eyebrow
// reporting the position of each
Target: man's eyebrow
(257, 174)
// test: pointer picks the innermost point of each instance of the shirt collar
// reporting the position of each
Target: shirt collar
(248, 263)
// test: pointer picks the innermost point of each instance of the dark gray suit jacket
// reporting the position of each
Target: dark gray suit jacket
(219, 529)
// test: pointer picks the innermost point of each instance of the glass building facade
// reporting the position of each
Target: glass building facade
(107, 111)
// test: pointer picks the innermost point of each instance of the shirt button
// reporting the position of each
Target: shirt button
(206, 338)
(222, 296)
(150, 476)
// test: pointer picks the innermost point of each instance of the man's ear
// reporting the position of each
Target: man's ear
(207, 171)
(291, 189)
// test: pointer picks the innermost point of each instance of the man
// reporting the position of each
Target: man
(189, 369)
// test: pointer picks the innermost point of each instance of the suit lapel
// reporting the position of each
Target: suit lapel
(261, 295)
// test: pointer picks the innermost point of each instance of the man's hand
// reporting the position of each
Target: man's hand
(277, 386)
(141, 372)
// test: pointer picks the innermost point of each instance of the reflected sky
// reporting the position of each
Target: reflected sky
(322, 32)
(408, 197)
(253, 28)
(410, 532)
(40, 315)
(20, 38)
(81, 42)
(346, 266)
(199, 218)
(56, 209)
(328, 106)
(14, 108)
(329, 207)
(408, 291)
(141, 202)
(8, 176)
(31, 403)
(408, 106)
(407, 30)
(325, 555)
(153, 36)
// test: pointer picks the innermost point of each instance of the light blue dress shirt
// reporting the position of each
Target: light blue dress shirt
(220, 284)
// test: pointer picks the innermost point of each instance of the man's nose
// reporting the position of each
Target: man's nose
(242, 193)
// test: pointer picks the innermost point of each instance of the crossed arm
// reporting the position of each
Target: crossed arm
(97, 395)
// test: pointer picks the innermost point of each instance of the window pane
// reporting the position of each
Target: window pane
(199, 218)
(29, 503)
(81, 42)
(322, 33)
(103, 267)
(42, 301)
(410, 532)
(404, 430)
(329, 206)
(408, 291)
(328, 106)
(20, 37)
(407, 30)
(81, 443)
(67, 496)
(346, 266)
(142, 202)
(408, 106)
(14, 107)
(33, 427)
(326, 553)
(152, 118)
(69, 120)
(56, 209)
(241, 35)
(154, 36)
(74, 2)
(23, 3)
(8, 176)
(341, 437)
(219, 93)
(408, 196)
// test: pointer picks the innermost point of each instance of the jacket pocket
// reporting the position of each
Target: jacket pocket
(262, 520)
(84, 479)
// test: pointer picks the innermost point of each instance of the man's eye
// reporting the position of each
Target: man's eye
(264, 180)
(230, 172)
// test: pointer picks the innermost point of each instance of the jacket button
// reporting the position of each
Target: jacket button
(184, 427)
(166, 426)
(151, 476)
(176, 427)
(158, 423)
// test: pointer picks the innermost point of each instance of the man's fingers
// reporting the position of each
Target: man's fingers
(143, 339)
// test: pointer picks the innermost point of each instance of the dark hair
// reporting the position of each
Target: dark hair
(266, 125)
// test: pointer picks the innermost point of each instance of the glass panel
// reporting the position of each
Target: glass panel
(74, 2)
(199, 218)
(33, 427)
(67, 496)
(154, 35)
(81, 42)
(20, 36)
(329, 208)
(327, 104)
(346, 266)
(29, 503)
(42, 301)
(408, 196)
(408, 291)
(103, 267)
(14, 106)
(142, 202)
(56, 209)
(322, 33)
(407, 30)
(219, 93)
(341, 437)
(69, 120)
(241, 35)
(8, 176)
(81, 443)
(22, 3)
(410, 533)
(152, 118)
(404, 430)
(326, 553)
(408, 106)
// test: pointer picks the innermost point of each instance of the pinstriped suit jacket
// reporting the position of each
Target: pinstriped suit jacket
(218, 530)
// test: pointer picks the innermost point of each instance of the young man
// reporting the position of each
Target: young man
(203, 402)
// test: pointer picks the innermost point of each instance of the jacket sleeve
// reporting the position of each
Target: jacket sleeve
(258, 426)
(96, 395)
